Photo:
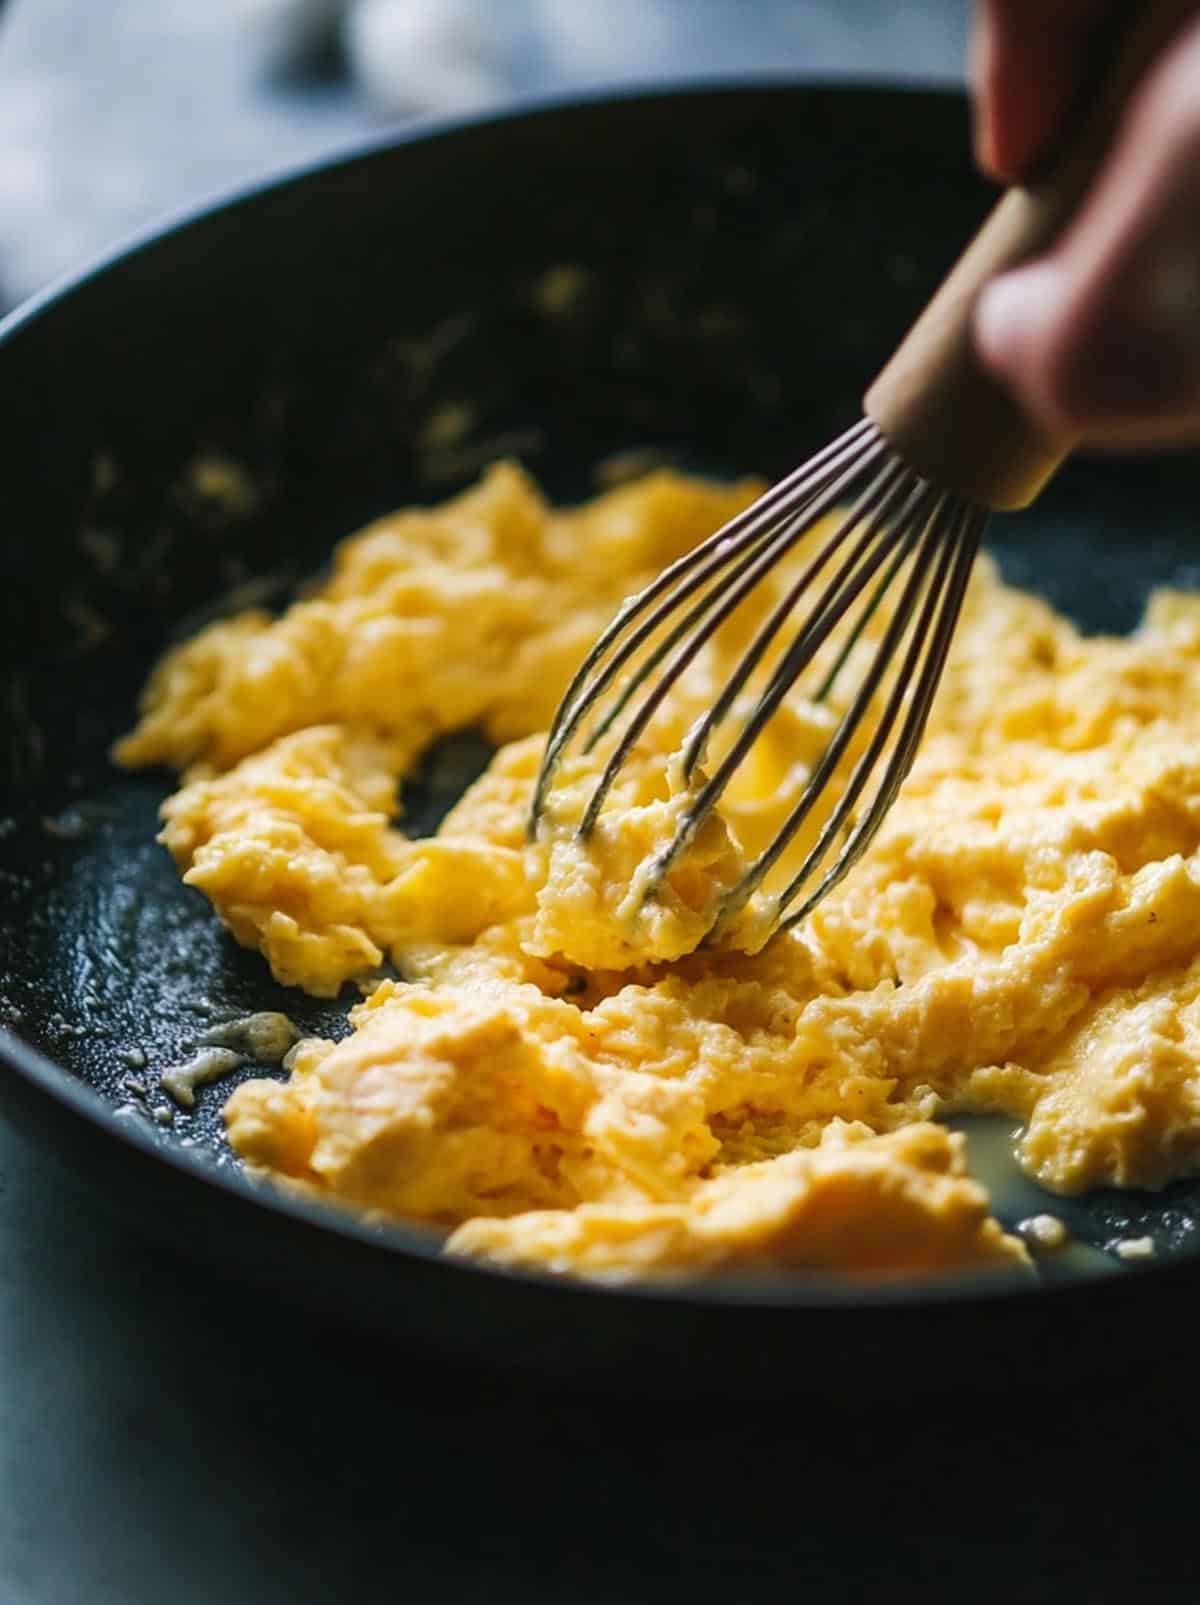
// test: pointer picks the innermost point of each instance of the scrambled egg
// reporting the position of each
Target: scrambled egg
(561, 1078)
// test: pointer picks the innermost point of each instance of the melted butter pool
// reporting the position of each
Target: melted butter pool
(991, 1158)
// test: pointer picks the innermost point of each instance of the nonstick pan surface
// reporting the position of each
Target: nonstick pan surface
(707, 276)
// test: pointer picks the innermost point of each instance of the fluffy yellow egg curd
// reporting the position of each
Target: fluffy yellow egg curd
(564, 1077)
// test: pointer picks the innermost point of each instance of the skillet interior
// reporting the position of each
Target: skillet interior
(739, 263)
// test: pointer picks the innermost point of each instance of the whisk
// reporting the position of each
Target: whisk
(941, 446)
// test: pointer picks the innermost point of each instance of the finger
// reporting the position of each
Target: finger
(1027, 60)
(1101, 339)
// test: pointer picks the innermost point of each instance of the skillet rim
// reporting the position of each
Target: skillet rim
(59, 1091)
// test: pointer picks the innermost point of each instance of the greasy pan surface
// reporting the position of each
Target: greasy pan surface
(749, 256)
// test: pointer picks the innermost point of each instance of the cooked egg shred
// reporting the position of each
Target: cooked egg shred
(561, 1079)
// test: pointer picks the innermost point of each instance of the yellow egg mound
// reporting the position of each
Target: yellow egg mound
(900, 1205)
(598, 903)
(561, 1078)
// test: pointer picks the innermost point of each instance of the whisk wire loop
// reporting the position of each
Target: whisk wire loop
(725, 595)
(849, 583)
(727, 600)
(893, 519)
(927, 546)
(791, 497)
(878, 498)
(958, 555)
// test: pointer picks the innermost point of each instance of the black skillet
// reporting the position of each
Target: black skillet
(709, 275)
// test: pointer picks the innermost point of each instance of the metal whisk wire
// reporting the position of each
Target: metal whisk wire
(894, 518)
(786, 501)
(941, 444)
(955, 553)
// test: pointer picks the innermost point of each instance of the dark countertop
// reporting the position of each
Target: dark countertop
(162, 1437)
(165, 1437)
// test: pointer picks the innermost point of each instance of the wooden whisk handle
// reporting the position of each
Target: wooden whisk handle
(937, 405)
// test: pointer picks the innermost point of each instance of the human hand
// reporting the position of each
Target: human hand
(1100, 337)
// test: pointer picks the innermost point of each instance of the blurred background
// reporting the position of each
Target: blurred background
(116, 112)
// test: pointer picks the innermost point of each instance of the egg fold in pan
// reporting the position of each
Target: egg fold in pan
(563, 1078)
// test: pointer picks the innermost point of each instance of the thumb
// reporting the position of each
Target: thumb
(1101, 338)
(1121, 367)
